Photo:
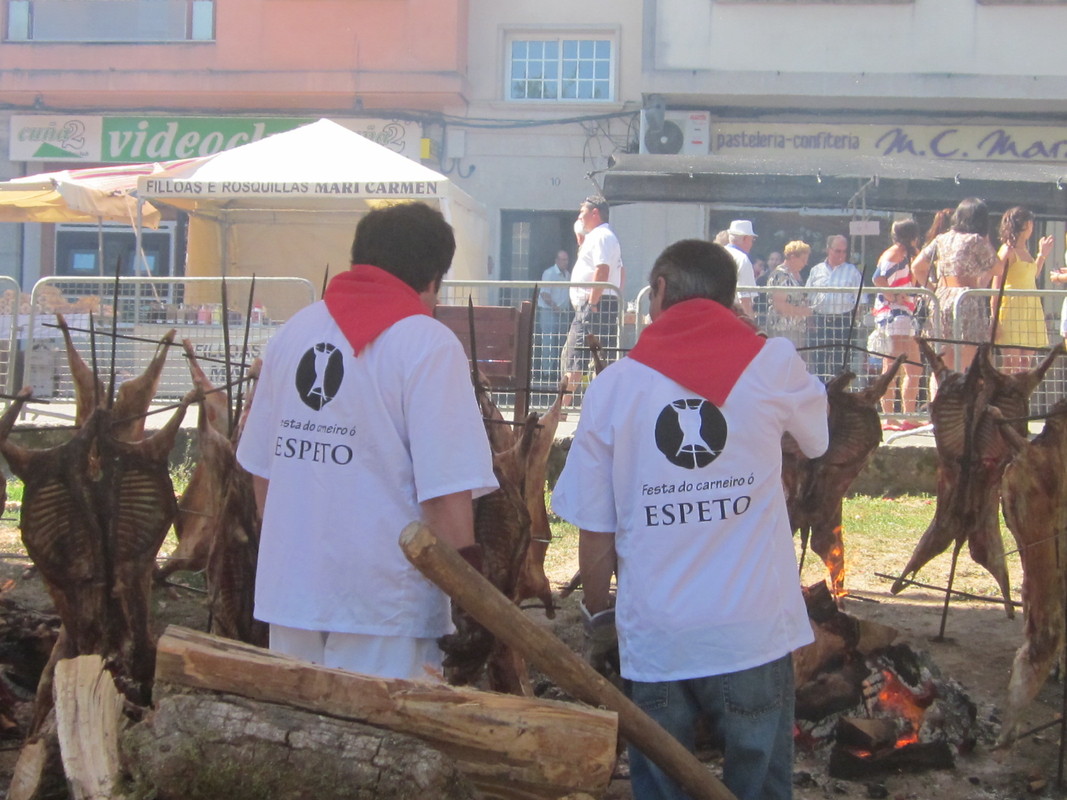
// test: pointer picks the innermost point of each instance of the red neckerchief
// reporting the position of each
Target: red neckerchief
(700, 344)
(367, 300)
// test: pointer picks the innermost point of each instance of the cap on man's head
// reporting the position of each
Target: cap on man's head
(741, 227)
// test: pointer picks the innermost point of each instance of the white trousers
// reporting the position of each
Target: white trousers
(381, 656)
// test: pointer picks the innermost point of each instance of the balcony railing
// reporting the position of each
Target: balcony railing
(139, 21)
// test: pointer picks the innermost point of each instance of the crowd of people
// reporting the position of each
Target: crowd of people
(956, 254)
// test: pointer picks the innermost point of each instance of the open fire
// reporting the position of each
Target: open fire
(879, 706)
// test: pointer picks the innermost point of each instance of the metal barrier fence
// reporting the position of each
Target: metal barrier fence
(549, 347)
(147, 308)
(1029, 325)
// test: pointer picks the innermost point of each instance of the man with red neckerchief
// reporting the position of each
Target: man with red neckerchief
(674, 479)
(364, 420)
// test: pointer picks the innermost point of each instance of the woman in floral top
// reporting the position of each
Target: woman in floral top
(965, 260)
(789, 311)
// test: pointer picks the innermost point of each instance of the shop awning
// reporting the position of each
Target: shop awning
(887, 184)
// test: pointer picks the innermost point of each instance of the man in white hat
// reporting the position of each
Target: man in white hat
(741, 238)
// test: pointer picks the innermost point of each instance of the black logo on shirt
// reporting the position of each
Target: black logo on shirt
(319, 375)
(691, 433)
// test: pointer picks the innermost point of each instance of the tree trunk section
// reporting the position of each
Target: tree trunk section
(206, 746)
(509, 747)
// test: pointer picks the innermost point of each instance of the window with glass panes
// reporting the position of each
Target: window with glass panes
(561, 69)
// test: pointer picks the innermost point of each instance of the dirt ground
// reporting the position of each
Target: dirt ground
(977, 651)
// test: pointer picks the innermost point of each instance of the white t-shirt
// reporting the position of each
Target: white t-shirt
(707, 575)
(601, 246)
(351, 446)
(746, 275)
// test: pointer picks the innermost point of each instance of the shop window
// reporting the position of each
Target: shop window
(78, 251)
(560, 69)
(137, 21)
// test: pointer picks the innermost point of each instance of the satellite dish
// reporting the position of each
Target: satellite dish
(666, 140)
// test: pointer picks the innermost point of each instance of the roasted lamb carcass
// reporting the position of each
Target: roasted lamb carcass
(502, 528)
(816, 487)
(533, 583)
(94, 514)
(1034, 499)
(218, 523)
(200, 505)
(972, 453)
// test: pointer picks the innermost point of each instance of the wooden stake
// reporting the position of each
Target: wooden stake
(445, 567)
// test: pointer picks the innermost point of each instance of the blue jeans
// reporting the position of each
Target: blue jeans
(751, 711)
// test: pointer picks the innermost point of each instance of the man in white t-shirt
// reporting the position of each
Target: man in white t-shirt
(363, 421)
(741, 238)
(596, 309)
(674, 480)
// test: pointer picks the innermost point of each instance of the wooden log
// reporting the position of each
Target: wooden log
(38, 773)
(508, 746)
(88, 721)
(445, 567)
(209, 745)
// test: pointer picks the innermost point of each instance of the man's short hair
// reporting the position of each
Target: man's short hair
(409, 240)
(694, 268)
(833, 237)
(599, 203)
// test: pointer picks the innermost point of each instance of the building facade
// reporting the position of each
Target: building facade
(91, 82)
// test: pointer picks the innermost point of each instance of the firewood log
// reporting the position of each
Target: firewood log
(508, 746)
(445, 567)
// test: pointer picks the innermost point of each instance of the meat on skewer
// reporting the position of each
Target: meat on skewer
(816, 487)
(200, 505)
(95, 512)
(1035, 510)
(532, 579)
(972, 454)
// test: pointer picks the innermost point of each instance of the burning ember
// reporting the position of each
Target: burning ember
(880, 706)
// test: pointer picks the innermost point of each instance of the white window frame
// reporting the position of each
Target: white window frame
(559, 37)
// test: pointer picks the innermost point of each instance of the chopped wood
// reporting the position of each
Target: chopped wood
(507, 746)
(849, 765)
(446, 568)
(38, 773)
(870, 734)
(88, 721)
(210, 745)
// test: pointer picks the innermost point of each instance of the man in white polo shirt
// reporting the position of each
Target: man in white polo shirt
(740, 238)
(674, 480)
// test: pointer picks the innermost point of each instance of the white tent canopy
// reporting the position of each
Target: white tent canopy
(287, 205)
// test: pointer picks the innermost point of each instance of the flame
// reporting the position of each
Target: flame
(897, 698)
(835, 560)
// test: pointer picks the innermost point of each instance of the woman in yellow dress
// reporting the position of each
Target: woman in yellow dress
(1021, 322)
